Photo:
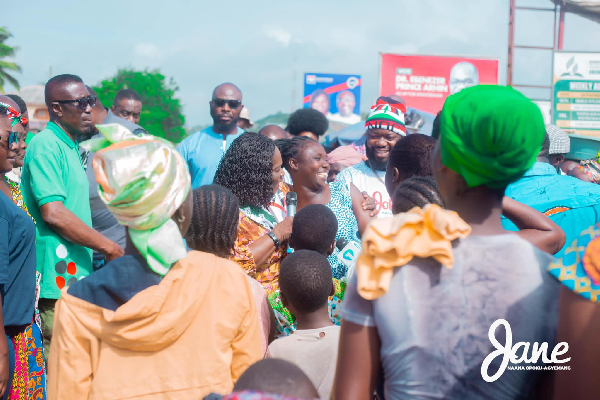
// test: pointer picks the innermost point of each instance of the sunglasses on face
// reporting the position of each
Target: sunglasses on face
(13, 137)
(83, 102)
(232, 103)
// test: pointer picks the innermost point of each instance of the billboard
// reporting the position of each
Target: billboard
(424, 82)
(545, 107)
(576, 92)
(336, 96)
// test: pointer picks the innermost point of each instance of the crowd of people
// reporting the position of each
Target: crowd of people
(243, 265)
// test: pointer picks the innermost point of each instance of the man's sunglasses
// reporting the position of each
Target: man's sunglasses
(13, 137)
(232, 103)
(83, 102)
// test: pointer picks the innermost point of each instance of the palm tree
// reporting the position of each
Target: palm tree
(7, 51)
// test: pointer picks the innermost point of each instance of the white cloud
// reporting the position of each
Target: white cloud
(278, 34)
(147, 50)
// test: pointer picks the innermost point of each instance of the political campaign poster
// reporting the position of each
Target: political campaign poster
(424, 82)
(576, 92)
(337, 96)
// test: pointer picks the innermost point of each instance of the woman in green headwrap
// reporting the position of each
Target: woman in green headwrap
(430, 284)
(158, 322)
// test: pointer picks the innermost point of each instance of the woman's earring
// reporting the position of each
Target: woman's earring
(181, 219)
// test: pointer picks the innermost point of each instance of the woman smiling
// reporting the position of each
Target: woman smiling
(306, 161)
(252, 170)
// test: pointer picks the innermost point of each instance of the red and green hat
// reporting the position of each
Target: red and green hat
(387, 115)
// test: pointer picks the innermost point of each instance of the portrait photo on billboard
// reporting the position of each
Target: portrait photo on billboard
(425, 82)
(336, 96)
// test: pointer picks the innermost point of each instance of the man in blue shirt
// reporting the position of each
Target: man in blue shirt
(203, 150)
(572, 204)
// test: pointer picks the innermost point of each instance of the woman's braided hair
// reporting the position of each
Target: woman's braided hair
(416, 192)
(215, 221)
(289, 148)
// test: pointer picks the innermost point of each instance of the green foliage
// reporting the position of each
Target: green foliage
(5, 52)
(161, 110)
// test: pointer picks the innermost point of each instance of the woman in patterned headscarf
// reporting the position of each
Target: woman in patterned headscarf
(144, 324)
(30, 381)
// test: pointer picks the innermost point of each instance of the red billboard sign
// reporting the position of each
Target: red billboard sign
(424, 82)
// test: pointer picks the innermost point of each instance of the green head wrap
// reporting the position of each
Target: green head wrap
(490, 135)
(142, 180)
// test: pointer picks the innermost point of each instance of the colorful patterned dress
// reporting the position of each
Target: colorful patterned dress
(29, 381)
(579, 267)
(591, 169)
(341, 205)
(253, 225)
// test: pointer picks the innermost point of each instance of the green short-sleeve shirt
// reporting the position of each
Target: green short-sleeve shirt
(53, 172)
(29, 137)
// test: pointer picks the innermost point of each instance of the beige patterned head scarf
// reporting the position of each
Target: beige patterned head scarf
(142, 180)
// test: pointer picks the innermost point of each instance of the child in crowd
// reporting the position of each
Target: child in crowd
(416, 192)
(271, 379)
(305, 283)
(314, 228)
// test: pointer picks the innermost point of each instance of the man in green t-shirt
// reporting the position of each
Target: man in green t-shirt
(55, 190)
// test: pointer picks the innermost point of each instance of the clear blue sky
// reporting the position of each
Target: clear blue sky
(259, 44)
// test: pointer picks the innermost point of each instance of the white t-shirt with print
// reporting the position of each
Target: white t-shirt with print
(365, 180)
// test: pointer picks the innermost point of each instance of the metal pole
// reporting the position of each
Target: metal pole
(554, 26)
(561, 27)
(511, 43)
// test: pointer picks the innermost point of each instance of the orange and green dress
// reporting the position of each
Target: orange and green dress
(29, 380)
(254, 224)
